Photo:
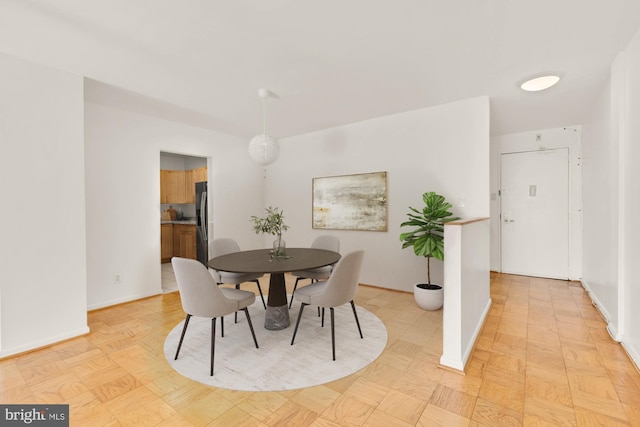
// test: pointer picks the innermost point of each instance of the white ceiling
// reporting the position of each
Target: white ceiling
(329, 62)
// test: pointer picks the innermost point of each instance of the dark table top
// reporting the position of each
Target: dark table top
(260, 261)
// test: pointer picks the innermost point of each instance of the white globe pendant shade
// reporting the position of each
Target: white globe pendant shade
(263, 149)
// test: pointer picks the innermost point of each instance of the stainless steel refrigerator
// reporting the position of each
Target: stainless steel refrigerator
(202, 236)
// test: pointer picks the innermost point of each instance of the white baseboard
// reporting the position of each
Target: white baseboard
(633, 353)
(612, 329)
(34, 345)
(613, 332)
(459, 364)
(456, 364)
(596, 302)
(130, 298)
(476, 332)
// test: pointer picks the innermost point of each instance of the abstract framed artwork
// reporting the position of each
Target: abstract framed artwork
(351, 202)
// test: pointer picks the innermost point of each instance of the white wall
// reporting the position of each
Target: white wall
(443, 149)
(42, 255)
(630, 192)
(467, 298)
(569, 137)
(600, 213)
(612, 200)
(123, 196)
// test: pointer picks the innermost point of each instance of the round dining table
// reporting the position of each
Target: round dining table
(261, 261)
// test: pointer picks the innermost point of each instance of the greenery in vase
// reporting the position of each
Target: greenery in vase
(272, 224)
(427, 239)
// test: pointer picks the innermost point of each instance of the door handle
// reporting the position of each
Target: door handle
(509, 220)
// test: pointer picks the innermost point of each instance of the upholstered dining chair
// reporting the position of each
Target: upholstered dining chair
(324, 241)
(202, 297)
(339, 289)
(226, 246)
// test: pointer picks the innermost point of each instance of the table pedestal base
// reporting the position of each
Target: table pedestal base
(276, 318)
(277, 315)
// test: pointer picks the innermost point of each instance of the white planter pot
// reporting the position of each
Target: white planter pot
(428, 299)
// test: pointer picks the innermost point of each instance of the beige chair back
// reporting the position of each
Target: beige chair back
(223, 246)
(199, 292)
(326, 241)
(342, 286)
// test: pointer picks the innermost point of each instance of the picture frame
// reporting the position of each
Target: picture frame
(350, 202)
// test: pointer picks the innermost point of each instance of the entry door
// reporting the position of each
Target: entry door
(535, 213)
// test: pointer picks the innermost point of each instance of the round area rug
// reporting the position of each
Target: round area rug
(277, 365)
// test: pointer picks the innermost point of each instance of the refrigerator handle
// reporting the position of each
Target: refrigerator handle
(203, 215)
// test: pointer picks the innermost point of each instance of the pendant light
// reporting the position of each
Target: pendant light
(263, 148)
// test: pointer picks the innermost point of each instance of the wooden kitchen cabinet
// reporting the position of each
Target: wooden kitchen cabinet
(184, 241)
(177, 186)
(166, 242)
(190, 186)
(191, 177)
(199, 174)
(163, 186)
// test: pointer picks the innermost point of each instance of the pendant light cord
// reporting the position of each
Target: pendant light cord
(264, 117)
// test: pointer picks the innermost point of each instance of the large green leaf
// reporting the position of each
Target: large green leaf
(427, 237)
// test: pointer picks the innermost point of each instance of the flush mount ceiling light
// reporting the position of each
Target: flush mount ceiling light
(263, 148)
(539, 83)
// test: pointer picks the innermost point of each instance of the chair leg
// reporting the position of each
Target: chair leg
(333, 335)
(222, 326)
(319, 307)
(235, 315)
(322, 322)
(253, 334)
(213, 343)
(353, 306)
(295, 286)
(298, 322)
(261, 296)
(184, 329)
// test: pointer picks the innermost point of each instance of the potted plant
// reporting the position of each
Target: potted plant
(273, 224)
(427, 240)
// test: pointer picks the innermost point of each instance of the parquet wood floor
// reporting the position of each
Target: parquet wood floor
(543, 358)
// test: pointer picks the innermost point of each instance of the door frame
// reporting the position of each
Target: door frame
(565, 137)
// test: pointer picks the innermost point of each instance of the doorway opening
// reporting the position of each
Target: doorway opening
(179, 211)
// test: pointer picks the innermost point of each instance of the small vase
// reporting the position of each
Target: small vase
(279, 248)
